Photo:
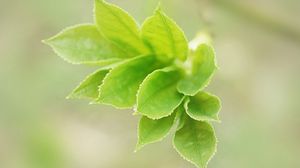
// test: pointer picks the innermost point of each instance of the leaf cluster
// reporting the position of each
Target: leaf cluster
(151, 69)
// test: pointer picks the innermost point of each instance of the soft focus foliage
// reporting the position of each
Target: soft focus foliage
(147, 81)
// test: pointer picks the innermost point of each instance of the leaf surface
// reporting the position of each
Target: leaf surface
(196, 142)
(202, 69)
(83, 44)
(181, 115)
(121, 84)
(157, 96)
(89, 88)
(164, 36)
(151, 131)
(119, 27)
(203, 107)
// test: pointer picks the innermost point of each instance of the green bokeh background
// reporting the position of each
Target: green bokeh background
(258, 51)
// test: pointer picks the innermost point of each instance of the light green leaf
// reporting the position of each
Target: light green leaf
(121, 84)
(119, 27)
(151, 131)
(181, 115)
(202, 69)
(157, 96)
(83, 44)
(89, 88)
(203, 107)
(196, 142)
(165, 38)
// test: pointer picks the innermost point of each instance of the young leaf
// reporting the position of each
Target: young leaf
(83, 44)
(203, 67)
(196, 142)
(89, 88)
(120, 86)
(181, 115)
(203, 107)
(157, 96)
(165, 38)
(119, 27)
(150, 131)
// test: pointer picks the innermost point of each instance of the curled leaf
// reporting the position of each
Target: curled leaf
(181, 115)
(203, 107)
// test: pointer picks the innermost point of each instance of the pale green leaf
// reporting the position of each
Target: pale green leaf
(119, 27)
(181, 115)
(196, 142)
(203, 107)
(157, 96)
(89, 88)
(165, 38)
(202, 68)
(83, 44)
(151, 131)
(121, 84)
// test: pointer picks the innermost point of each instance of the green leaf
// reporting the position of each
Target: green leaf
(202, 69)
(165, 38)
(203, 107)
(196, 142)
(181, 115)
(83, 44)
(119, 27)
(121, 84)
(151, 131)
(89, 88)
(157, 96)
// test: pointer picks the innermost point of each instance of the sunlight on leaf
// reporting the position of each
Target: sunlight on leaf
(164, 37)
(119, 27)
(83, 44)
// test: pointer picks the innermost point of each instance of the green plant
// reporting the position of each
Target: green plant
(150, 69)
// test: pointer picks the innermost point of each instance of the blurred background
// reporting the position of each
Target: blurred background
(258, 51)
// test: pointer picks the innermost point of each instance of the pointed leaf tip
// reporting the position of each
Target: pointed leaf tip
(158, 7)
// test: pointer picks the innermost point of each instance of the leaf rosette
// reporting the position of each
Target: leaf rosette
(150, 69)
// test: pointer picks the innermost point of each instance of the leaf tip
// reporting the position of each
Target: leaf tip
(44, 41)
(138, 147)
(158, 8)
(47, 41)
(68, 97)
